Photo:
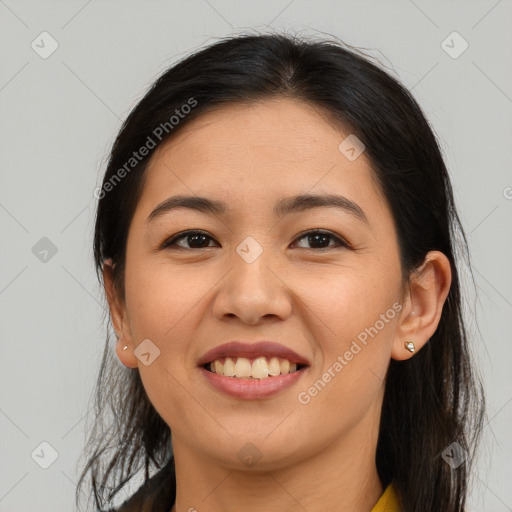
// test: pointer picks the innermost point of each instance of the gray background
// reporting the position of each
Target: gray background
(59, 116)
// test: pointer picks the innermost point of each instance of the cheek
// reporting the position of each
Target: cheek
(354, 328)
(161, 302)
(354, 322)
(165, 307)
(349, 302)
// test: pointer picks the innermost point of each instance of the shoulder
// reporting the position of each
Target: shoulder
(157, 494)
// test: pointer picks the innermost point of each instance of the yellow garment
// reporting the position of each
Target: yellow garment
(388, 502)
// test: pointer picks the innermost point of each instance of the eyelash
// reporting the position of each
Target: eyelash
(340, 241)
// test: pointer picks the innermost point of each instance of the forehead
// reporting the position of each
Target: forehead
(281, 128)
(278, 146)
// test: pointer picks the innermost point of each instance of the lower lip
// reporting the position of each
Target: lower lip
(252, 388)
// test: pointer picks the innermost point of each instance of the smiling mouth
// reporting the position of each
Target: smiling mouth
(252, 369)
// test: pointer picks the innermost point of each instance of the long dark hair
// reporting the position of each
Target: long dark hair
(431, 400)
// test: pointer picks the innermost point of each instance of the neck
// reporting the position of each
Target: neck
(342, 477)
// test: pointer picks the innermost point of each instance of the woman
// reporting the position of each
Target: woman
(276, 234)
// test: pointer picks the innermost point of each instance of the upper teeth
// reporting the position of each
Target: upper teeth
(260, 368)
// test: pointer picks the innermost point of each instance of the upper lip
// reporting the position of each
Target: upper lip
(249, 350)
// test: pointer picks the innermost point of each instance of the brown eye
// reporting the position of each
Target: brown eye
(194, 239)
(321, 240)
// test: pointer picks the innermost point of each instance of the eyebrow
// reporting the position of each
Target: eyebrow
(283, 207)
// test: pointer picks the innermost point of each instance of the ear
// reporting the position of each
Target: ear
(423, 304)
(119, 318)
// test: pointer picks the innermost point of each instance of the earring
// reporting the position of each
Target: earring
(409, 345)
(125, 347)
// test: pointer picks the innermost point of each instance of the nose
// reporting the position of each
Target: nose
(253, 291)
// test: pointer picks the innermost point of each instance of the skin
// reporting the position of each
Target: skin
(319, 456)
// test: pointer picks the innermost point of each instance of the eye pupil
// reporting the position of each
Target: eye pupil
(196, 236)
(315, 238)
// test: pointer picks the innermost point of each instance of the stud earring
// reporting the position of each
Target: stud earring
(125, 347)
(409, 345)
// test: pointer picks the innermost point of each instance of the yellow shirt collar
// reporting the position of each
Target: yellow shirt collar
(388, 502)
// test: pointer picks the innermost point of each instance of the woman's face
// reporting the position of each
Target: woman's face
(256, 275)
